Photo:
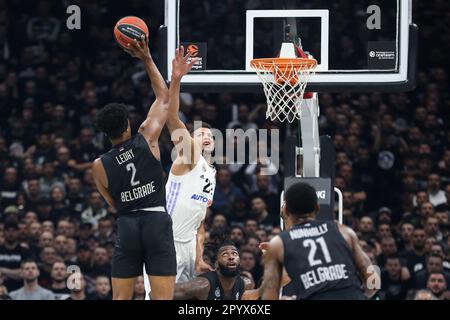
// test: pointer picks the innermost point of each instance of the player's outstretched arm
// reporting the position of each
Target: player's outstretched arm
(197, 288)
(273, 270)
(157, 115)
(367, 271)
(180, 135)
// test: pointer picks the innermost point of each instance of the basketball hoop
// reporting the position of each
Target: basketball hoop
(284, 81)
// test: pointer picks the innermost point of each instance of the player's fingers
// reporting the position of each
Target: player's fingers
(130, 49)
(133, 45)
(187, 56)
(138, 44)
(193, 61)
(146, 39)
(181, 53)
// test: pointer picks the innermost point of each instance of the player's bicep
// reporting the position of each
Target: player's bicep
(154, 123)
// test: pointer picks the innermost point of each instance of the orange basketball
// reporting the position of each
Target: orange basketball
(129, 28)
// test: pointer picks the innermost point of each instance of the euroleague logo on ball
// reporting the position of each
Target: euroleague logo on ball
(192, 49)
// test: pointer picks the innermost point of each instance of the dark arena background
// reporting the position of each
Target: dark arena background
(391, 145)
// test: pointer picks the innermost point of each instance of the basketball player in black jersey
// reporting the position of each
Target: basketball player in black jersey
(323, 259)
(224, 283)
(130, 178)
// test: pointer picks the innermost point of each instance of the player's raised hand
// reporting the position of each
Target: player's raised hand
(181, 64)
(139, 48)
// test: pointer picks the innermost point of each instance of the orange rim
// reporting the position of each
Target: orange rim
(267, 64)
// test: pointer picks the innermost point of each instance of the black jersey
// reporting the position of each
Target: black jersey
(135, 176)
(216, 290)
(318, 260)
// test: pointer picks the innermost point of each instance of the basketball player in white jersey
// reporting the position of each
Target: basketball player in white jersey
(191, 183)
(192, 180)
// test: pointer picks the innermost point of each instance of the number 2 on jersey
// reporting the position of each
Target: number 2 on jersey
(207, 187)
(132, 168)
(312, 252)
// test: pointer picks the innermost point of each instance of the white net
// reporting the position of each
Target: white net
(284, 82)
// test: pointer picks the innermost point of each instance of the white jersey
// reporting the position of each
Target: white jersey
(188, 197)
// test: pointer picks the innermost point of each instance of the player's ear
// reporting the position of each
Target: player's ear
(317, 208)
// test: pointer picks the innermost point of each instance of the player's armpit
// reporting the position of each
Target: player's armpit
(197, 288)
(273, 270)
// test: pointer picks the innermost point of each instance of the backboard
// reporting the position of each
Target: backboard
(365, 45)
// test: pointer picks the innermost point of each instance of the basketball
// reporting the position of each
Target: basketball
(128, 29)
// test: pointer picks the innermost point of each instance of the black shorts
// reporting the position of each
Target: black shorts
(144, 238)
(351, 293)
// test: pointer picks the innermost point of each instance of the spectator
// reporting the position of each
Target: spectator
(31, 290)
(434, 263)
(267, 191)
(48, 179)
(78, 287)
(139, 289)
(406, 232)
(43, 27)
(388, 248)
(102, 288)
(415, 258)
(438, 286)
(9, 187)
(44, 209)
(366, 228)
(384, 230)
(85, 232)
(48, 257)
(48, 226)
(105, 231)
(58, 281)
(219, 222)
(59, 204)
(75, 196)
(66, 228)
(84, 259)
(261, 215)
(95, 210)
(46, 239)
(12, 254)
(432, 228)
(237, 236)
(248, 263)
(33, 194)
(394, 280)
(435, 194)
(60, 245)
(250, 227)
(101, 263)
(262, 235)
(225, 193)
